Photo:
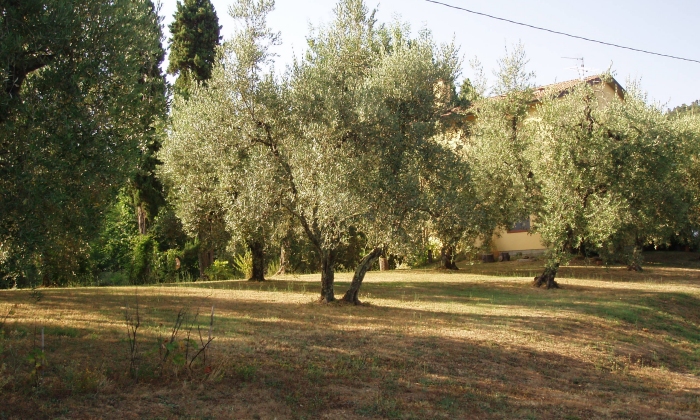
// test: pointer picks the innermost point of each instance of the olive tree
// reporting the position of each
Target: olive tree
(607, 176)
(598, 175)
(220, 154)
(402, 100)
(189, 172)
(495, 144)
(687, 128)
(383, 95)
(340, 142)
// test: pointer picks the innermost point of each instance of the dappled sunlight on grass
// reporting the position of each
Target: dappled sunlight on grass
(424, 344)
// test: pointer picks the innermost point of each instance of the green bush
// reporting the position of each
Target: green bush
(220, 270)
(273, 267)
(142, 259)
(190, 259)
(243, 264)
(164, 266)
(167, 229)
(112, 249)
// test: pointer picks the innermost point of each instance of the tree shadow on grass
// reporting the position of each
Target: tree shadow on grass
(343, 361)
(657, 328)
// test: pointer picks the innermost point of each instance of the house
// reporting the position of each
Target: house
(518, 239)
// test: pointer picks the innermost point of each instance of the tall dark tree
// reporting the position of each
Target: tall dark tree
(195, 36)
(77, 96)
(467, 94)
(146, 189)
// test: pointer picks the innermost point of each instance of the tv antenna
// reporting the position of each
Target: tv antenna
(582, 70)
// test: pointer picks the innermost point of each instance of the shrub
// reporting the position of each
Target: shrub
(273, 267)
(190, 260)
(220, 270)
(243, 264)
(142, 258)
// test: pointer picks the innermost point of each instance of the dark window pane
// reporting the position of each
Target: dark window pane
(522, 225)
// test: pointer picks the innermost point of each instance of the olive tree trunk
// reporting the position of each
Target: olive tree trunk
(447, 258)
(327, 276)
(257, 251)
(352, 294)
(283, 261)
(634, 261)
(206, 259)
(547, 277)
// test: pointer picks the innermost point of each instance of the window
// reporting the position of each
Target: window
(520, 226)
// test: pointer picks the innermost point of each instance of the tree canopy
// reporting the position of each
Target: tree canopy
(693, 109)
(195, 36)
(606, 175)
(362, 148)
(342, 142)
(80, 89)
(598, 176)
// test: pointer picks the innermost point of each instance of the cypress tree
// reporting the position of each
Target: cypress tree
(146, 188)
(195, 36)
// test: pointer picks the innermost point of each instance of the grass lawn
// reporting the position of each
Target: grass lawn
(477, 343)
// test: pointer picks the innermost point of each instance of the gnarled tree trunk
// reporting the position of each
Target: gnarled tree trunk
(283, 261)
(447, 258)
(360, 271)
(634, 261)
(547, 277)
(327, 276)
(257, 251)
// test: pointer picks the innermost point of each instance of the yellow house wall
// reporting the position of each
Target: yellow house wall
(517, 242)
(513, 242)
(608, 93)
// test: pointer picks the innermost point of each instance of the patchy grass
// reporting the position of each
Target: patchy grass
(478, 343)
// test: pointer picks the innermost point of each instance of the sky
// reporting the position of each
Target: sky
(667, 27)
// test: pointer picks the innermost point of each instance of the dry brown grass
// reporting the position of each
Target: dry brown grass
(480, 343)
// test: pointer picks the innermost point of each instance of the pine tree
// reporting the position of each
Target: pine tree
(195, 36)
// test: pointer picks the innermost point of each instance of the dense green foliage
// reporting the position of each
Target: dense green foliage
(195, 35)
(343, 143)
(112, 248)
(146, 189)
(362, 148)
(599, 176)
(81, 88)
(607, 175)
